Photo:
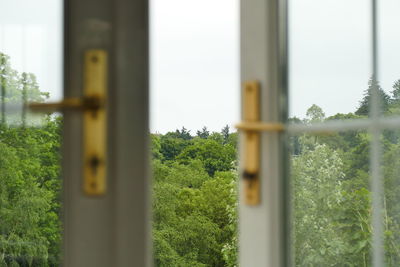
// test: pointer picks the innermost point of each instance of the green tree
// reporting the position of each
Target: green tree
(204, 133)
(365, 103)
(24, 207)
(156, 147)
(214, 155)
(225, 133)
(396, 91)
(391, 170)
(183, 134)
(315, 114)
(332, 217)
(192, 216)
(171, 146)
(30, 229)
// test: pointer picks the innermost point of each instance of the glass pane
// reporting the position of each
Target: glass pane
(330, 57)
(194, 103)
(331, 199)
(389, 55)
(30, 70)
(194, 59)
(391, 211)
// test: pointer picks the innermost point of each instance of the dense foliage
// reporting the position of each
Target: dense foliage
(29, 177)
(331, 202)
(194, 198)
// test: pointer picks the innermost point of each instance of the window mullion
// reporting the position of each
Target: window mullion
(376, 153)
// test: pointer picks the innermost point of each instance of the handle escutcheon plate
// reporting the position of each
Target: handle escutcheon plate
(95, 123)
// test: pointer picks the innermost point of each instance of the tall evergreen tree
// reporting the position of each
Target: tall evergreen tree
(225, 133)
(365, 103)
(204, 133)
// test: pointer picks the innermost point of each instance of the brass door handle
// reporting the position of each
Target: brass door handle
(93, 107)
(252, 126)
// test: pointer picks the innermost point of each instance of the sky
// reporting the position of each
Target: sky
(330, 52)
(194, 59)
(194, 55)
(31, 34)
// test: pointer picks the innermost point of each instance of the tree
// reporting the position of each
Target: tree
(316, 174)
(183, 134)
(171, 146)
(24, 208)
(396, 91)
(391, 213)
(156, 147)
(30, 229)
(315, 114)
(204, 133)
(192, 216)
(215, 156)
(394, 107)
(17, 89)
(365, 103)
(225, 133)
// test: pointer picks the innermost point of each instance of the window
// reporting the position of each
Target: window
(30, 144)
(332, 200)
(343, 145)
(329, 183)
(194, 89)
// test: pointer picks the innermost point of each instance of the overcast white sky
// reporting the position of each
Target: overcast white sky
(195, 58)
(195, 55)
(31, 34)
(330, 52)
(194, 64)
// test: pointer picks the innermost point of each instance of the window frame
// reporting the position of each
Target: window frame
(374, 124)
(113, 230)
(265, 230)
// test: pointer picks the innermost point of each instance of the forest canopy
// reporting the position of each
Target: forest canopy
(331, 197)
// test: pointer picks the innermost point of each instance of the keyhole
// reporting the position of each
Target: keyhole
(95, 59)
(94, 114)
(94, 163)
(249, 176)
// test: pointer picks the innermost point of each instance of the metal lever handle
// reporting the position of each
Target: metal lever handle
(252, 126)
(93, 108)
(92, 103)
(260, 126)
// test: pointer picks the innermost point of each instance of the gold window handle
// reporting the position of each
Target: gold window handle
(252, 127)
(92, 103)
(93, 107)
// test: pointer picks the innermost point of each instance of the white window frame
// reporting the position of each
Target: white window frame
(113, 230)
(265, 229)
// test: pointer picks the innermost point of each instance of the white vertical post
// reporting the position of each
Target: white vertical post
(112, 230)
(262, 228)
(376, 153)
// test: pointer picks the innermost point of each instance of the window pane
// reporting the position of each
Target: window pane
(391, 203)
(30, 70)
(195, 92)
(329, 57)
(331, 199)
(389, 54)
